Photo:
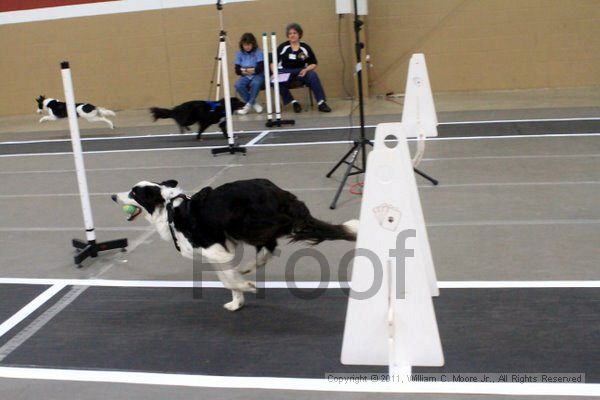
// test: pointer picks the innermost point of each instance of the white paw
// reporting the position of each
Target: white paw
(233, 305)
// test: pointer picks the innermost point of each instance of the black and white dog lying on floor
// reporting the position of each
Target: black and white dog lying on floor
(203, 113)
(211, 222)
(57, 109)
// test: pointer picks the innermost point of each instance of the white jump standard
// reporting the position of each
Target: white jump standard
(276, 101)
(390, 318)
(89, 248)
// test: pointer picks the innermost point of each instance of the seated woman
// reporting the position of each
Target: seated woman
(249, 65)
(298, 59)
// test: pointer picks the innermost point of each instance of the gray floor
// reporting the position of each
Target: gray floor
(506, 209)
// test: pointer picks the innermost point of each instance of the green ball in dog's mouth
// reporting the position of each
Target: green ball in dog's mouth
(129, 209)
(132, 211)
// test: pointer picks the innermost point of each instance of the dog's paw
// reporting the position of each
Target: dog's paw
(249, 286)
(233, 305)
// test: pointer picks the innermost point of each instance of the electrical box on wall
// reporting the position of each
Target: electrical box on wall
(347, 7)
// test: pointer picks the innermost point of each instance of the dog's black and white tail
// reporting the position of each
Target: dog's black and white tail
(161, 113)
(309, 229)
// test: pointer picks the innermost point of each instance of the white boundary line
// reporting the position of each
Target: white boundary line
(195, 148)
(31, 307)
(192, 166)
(302, 384)
(299, 284)
(258, 138)
(315, 189)
(499, 121)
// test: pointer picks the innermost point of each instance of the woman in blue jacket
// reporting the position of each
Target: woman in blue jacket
(249, 66)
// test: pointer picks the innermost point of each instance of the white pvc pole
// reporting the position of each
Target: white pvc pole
(223, 56)
(275, 76)
(77, 153)
(267, 76)
(219, 63)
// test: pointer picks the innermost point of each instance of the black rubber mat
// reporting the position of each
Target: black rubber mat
(139, 143)
(13, 297)
(519, 128)
(291, 135)
(167, 330)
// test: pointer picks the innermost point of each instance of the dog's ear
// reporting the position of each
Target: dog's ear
(172, 183)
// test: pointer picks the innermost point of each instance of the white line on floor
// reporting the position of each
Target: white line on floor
(424, 186)
(30, 307)
(74, 229)
(257, 138)
(499, 121)
(545, 136)
(72, 294)
(516, 222)
(429, 225)
(162, 167)
(146, 378)
(190, 166)
(299, 284)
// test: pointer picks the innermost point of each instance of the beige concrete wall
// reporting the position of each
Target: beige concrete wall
(486, 44)
(160, 58)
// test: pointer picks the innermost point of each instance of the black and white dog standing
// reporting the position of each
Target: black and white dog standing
(212, 221)
(57, 109)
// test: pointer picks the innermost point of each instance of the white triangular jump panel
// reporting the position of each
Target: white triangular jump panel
(387, 211)
(418, 113)
(419, 119)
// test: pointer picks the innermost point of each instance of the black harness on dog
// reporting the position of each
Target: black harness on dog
(170, 217)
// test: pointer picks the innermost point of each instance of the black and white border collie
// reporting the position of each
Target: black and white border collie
(211, 222)
(203, 113)
(57, 109)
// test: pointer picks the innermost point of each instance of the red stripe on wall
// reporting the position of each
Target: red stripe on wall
(18, 5)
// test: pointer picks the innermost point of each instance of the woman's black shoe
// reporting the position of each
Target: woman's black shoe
(297, 107)
(323, 107)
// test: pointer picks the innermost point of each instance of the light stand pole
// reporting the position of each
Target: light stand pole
(359, 147)
(232, 147)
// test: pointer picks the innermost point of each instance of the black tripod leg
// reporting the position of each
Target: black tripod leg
(429, 178)
(342, 160)
(346, 175)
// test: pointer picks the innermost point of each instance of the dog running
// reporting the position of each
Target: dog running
(203, 113)
(57, 109)
(212, 222)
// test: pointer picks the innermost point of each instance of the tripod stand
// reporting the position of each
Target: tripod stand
(232, 147)
(359, 147)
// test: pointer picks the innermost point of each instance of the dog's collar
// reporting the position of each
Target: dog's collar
(170, 217)
(213, 105)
